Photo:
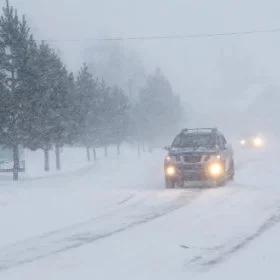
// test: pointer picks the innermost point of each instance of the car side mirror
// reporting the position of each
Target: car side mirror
(167, 148)
(221, 147)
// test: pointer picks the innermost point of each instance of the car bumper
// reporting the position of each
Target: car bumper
(199, 184)
(193, 172)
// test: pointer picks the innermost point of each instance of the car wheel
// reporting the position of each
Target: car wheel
(232, 171)
(221, 183)
(169, 184)
(180, 183)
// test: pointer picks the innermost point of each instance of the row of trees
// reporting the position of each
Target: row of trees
(43, 106)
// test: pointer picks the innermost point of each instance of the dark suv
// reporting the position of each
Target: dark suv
(200, 154)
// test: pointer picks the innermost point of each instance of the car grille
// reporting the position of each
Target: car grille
(192, 158)
(193, 171)
(193, 176)
(193, 167)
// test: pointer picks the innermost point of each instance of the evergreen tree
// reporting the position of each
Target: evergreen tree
(86, 104)
(118, 104)
(60, 109)
(16, 62)
(158, 111)
(49, 116)
(103, 133)
(38, 117)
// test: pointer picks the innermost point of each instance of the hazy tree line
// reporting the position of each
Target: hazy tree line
(44, 106)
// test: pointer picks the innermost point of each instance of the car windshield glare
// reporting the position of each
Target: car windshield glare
(194, 140)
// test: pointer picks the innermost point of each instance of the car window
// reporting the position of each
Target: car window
(222, 142)
(194, 140)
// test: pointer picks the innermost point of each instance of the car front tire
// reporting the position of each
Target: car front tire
(232, 171)
(169, 184)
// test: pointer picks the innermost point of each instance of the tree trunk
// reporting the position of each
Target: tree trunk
(94, 154)
(139, 150)
(88, 154)
(47, 160)
(57, 157)
(144, 148)
(16, 162)
(106, 151)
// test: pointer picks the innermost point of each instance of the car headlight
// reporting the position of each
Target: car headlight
(243, 142)
(216, 169)
(258, 142)
(170, 170)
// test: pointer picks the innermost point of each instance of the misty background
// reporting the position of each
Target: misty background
(222, 81)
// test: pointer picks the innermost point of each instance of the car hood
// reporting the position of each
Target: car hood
(191, 150)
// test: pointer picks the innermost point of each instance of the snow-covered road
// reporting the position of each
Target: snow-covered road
(114, 219)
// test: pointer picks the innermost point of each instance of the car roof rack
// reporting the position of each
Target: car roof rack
(200, 130)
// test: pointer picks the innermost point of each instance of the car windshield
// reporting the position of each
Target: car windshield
(194, 140)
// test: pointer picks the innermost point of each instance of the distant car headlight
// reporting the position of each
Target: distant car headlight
(170, 170)
(216, 169)
(243, 142)
(258, 142)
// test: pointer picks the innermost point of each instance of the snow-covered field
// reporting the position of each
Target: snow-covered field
(113, 219)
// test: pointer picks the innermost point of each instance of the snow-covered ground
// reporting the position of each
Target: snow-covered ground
(113, 219)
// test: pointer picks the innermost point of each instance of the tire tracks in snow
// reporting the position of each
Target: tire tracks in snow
(125, 217)
(224, 252)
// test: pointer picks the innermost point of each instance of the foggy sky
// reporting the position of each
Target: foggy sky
(190, 64)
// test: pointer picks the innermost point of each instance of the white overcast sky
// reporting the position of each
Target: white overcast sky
(191, 65)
